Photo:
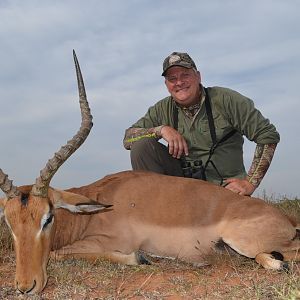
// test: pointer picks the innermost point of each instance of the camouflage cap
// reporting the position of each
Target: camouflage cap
(178, 59)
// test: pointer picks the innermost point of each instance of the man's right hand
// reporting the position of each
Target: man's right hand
(176, 142)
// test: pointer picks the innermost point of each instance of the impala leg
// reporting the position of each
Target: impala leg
(271, 261)
(116, 257)
(291, 255)
(93, 250)
(291, 251)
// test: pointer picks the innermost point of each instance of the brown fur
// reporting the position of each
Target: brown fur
(162, 215)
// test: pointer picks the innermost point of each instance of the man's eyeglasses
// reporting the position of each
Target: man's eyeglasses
(182, 77)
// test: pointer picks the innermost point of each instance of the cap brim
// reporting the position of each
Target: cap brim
(175, 65)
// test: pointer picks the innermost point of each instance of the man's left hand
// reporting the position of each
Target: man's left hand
(240, 186)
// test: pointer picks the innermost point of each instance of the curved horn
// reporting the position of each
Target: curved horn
(7, 187)
(41, 185)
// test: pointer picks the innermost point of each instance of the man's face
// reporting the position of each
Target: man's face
(183, 85)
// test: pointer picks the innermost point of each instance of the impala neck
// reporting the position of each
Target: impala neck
(68, 228)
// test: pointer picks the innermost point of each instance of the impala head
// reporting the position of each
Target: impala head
(29, 212)
(30, 219)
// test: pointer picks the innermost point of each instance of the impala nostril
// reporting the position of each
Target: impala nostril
(33, 286)
(25, 290)
(19, 290)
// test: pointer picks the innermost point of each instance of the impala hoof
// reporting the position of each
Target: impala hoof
(285, 267)
(141, 259)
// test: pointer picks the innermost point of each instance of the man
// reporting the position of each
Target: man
(205, 125)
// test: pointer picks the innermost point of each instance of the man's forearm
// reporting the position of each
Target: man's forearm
(261, 161)
(133, 135)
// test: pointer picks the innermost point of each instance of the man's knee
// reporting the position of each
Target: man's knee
(151, 155)
(148, 154)
(143, 146)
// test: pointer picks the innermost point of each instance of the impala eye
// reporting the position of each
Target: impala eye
(46, 220)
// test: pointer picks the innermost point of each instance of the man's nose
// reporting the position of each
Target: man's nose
(179, 81)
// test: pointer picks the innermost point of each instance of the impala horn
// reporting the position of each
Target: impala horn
(7, 187)
(40, 188)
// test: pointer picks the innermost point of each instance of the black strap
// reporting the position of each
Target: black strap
(212, 150)
(175, 117)
(211, 125)
(212, 130)
(210, 118)
(223, 139)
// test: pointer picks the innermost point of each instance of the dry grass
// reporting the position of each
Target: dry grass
(6, 244)
(228, 277)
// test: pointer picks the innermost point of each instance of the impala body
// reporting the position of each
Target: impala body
(123, 213)
(186, 220)
(182, 218)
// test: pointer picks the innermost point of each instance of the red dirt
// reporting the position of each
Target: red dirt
(227, 279)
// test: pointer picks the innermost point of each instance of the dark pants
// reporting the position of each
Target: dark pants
(148, 154)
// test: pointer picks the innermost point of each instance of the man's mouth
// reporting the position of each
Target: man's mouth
(182, 89)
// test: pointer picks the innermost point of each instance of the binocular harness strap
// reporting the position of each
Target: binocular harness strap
(212, 130)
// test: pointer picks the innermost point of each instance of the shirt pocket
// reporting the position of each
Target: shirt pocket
(204, 127)
(221, 126)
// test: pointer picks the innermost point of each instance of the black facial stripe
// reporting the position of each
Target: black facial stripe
(48, 221)
(24, 199)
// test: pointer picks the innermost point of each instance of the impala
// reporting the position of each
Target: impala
(123, 213)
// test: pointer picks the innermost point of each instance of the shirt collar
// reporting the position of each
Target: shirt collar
(192, 110)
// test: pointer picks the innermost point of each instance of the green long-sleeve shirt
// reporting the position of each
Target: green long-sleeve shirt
(231, 110)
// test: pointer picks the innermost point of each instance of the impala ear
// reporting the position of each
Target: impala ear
(84, 207)
(75, 203)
